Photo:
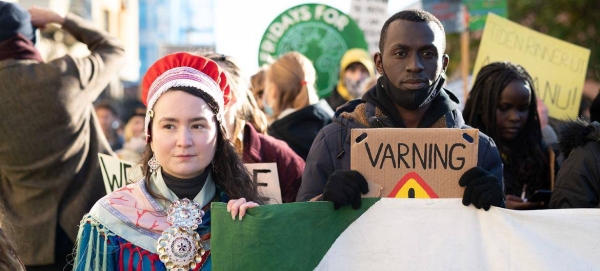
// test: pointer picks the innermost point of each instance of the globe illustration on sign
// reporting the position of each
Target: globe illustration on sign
(320, 43)
(320, 32)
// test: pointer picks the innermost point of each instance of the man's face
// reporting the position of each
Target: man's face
(356, 72)
(412, 56)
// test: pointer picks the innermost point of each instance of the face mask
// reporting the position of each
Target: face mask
(267, 108)
(356, 89)
(412, 99)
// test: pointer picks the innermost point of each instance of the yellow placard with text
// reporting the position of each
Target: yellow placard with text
(557, 67)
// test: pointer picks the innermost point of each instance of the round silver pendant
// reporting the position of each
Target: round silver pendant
(185, 213)
(179, 249)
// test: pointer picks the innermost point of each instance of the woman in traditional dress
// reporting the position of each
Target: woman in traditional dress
(162, 222)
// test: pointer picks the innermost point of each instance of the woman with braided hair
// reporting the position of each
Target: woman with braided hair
(503, 105)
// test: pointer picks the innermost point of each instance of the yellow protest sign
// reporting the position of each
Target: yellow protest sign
(557, 67)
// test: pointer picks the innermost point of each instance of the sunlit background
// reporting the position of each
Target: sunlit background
(153, 28)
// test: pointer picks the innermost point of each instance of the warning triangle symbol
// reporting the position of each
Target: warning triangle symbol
(412, 186)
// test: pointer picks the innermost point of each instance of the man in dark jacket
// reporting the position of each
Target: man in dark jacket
(408, 94)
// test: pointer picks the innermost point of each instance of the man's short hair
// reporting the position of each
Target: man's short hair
(413, 15)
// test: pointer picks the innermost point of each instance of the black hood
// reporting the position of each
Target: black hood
(577, 133)
(300, 128)
(442, 104)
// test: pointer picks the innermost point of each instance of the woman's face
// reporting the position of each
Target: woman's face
(513, 110)
(184, 134)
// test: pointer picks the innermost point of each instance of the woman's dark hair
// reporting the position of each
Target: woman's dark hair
(228, 171)
(524, 158)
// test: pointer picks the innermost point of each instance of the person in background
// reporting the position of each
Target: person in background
(257, 85)
(356, 68)
(133, 133)
(49, 134)
(162, 221)
(242, 116)
(109, 121)
(409, 94)
(291, 102)
(578, 180)
(503, 104)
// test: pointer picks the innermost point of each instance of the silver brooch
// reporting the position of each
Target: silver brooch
(180, 247)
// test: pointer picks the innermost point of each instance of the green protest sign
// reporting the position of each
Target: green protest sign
(320, 32)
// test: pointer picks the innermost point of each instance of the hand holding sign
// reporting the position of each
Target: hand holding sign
(345, 187)
(482, 189)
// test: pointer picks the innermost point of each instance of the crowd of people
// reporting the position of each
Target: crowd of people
(200, 118)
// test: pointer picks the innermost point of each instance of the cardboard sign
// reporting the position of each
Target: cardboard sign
(322, 33)
(413, 163)
(557, 67)
(267, 178)
(117, 172)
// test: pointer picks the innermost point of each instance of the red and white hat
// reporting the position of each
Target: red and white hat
(184, 70)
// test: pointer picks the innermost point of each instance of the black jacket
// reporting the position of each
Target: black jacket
(578, 180)
(331, 149)
(300, 128)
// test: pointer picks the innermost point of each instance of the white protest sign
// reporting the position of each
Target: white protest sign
(115, 172)
(267, 178)
(370, 16)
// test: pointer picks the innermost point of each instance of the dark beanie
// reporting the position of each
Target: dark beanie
(14, 19)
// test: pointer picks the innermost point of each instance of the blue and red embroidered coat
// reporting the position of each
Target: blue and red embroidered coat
(122, 229)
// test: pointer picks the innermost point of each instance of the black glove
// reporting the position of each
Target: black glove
(344, 187)
(482, 189)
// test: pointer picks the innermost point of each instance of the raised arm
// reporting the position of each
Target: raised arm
(106, 57)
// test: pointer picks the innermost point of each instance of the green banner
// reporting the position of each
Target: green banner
(320, 32)
(291, 236)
